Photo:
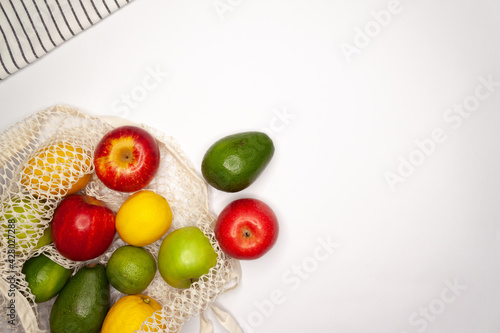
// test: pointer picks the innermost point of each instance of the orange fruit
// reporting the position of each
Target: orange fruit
(57, 169)
(143, 218)
(128, 314)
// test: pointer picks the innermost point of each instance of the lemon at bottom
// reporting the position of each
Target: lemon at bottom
(128, 314)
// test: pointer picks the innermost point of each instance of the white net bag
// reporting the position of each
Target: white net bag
(49, 153)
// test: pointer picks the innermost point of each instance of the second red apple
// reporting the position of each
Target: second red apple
(246, 229)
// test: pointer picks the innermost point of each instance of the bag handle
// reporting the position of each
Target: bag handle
(223, 317)
(23, 309)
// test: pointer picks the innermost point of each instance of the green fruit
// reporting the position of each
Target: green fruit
(45, 239)
(234, 162)
(25, 215)
(185, 255)
(45, 278)
(83, 303)
(131, 269)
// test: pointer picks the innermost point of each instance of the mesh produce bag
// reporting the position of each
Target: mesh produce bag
(41, 159)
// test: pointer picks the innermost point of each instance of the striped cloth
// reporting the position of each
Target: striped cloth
(31, 28)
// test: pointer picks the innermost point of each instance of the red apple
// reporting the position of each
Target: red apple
(127, 158)
(246, 229)
(83, 227)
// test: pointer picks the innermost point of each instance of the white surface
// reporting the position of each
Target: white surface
(347, 125)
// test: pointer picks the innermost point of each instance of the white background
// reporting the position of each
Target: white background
(346, 122)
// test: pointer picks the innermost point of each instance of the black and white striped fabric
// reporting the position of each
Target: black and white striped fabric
(31, 28)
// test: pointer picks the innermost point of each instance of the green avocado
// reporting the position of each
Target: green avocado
(234, 162)
(83, 303)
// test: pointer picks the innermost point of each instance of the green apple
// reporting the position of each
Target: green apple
(185, 255)
(28, 215)
(45, 239)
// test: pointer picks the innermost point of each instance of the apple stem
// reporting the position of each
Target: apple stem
(127, 155)
(247, 233)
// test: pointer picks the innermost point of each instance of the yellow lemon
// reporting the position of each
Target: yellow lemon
(128, 314)
(57, 169)
(143, 218)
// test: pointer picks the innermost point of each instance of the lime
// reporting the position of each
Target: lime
(45, 278)
(131, 269)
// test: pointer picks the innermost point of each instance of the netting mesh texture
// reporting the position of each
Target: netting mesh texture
(48, 155)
